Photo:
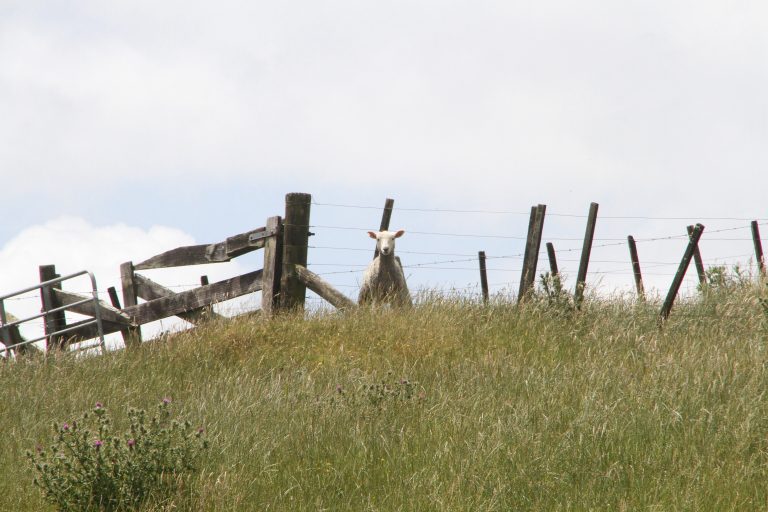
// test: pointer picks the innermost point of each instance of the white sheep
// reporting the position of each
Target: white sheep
(384, 280)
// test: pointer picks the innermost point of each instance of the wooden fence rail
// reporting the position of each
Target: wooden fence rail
(194, 305)
(145, 300)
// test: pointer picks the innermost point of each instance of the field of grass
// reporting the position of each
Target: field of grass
(449, 406)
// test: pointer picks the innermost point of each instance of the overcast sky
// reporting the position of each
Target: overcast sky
(127, 128)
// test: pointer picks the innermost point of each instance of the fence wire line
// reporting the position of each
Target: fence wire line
(495, 269)
(542, 256)
(542, 261)
(617, 241)
(553, 214)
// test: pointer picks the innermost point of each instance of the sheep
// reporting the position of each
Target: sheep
(384, 280)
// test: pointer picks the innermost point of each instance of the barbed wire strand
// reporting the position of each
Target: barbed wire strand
(523, 213)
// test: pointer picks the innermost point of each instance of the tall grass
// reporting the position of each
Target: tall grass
(449, 406)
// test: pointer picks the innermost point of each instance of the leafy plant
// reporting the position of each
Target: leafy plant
(553, 294)
(88, 467)
(719, 278)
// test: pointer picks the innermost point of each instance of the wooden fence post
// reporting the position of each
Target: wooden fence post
(130, 298)
(758, 248)
(586, 250)
(552, 259)
(698, 261)
(636, 267)
(55, 321)
(532, 248)
(528, 238)
(273, 267)
(483, 276)
(207, 312)
(693, 241)
(115, 300)
(386, 216)
(295, 242)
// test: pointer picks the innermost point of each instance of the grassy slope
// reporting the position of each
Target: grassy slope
(511, 409)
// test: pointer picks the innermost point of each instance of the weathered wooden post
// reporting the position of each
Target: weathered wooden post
(758, 248)
(130, 298)
(698, 261)
(636, 267)
(666, 308)
(273, 267)
(528, 238)
(386, 216)
(324, 289)
(53, 321)
(532, 248)
(483, 276)
(295, 242)
(586, 250)
(207, 311)
(115, 300)
(552, 259)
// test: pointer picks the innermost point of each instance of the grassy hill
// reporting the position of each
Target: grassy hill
(450, 406)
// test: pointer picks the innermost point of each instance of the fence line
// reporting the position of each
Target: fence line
(618, 241)
(523, 213)
(190, 302)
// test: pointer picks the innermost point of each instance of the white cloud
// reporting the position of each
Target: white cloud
(589, 95)
(73, 244)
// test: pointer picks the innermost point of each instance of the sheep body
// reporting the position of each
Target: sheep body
(384, 279)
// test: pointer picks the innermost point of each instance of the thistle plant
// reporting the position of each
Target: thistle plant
(379, 394)
(89, 467)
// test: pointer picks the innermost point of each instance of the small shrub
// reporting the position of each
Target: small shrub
(553, 294)
(89, 467)
(721, 279)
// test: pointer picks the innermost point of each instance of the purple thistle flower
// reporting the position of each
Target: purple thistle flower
(131, 443)
(99, 405)
(65, 427)
(166, 401)
(339, 389)
(200, 430)
(97, 443)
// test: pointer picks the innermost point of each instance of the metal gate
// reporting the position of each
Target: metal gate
(5, 326)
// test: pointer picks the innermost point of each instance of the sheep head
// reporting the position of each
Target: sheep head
(385, 241)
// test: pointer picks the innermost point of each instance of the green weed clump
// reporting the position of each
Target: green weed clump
(89, 467)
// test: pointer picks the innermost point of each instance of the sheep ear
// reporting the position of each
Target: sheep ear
(372, 235)
(399, 233)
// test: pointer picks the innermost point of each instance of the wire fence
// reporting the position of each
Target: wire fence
(524, 213)
(425, 258)
(440, 253)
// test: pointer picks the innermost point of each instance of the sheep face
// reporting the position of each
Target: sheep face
(385, 240)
